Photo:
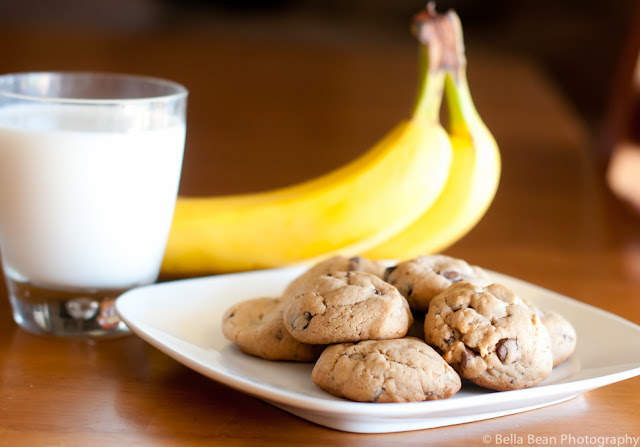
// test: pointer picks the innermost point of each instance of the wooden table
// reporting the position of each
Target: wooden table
(270, 111)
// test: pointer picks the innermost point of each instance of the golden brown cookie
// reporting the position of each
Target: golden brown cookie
(422, 278)
(489, 336)
(563, 335)
(338, 264)
(257, 328)
(346, 307)
(401, 370)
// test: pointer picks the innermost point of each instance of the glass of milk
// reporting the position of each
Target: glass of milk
(89, 170)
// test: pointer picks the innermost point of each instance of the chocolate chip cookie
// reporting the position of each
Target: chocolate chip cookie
(338, 264)
(345, 307)
(422, 278)
(490, 336)
(561, 332)
(401, 370)
(256, 326)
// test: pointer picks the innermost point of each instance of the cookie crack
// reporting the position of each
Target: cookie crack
(398, 362)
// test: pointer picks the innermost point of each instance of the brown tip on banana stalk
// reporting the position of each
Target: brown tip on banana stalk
(443, 34)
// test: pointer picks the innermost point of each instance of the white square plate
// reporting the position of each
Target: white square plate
(183, 319)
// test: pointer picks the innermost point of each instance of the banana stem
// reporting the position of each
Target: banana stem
(461, 109)
(441, 50)
(430, 88)
(443, 55)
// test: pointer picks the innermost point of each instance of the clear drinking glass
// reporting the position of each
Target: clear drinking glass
(89, 170)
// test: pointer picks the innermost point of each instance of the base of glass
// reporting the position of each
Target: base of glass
(78, 313)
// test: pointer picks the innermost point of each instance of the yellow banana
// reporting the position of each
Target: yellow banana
(475, 169)
(349, 210)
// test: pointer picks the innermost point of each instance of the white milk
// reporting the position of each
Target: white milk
(86, 208)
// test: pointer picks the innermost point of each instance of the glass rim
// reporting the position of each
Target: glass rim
(179, 90)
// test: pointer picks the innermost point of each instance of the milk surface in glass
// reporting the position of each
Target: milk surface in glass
(82, 204)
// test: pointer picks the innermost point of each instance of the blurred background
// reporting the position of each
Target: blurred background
(583, 47)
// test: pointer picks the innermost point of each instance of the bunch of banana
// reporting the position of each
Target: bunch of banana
(419, 189)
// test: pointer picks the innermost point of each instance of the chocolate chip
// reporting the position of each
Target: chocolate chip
(451, 275)
(354, 263)
(467, 357)
(451, 339)
(279, 335)
(501, 350)
(388, 271)
(377, 395)
(233, 314)
(377, 292)
(503, 347)
(302, 321)
(409, 289)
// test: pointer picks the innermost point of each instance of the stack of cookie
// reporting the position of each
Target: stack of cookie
(404, 333)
